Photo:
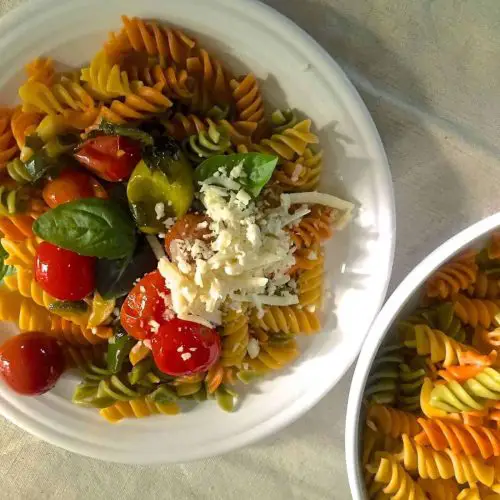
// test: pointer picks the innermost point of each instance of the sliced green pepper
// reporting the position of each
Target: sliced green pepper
(119, 347)
(155, 194)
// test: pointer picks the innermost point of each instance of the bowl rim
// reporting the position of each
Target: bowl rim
(398, 299)
(10, 25)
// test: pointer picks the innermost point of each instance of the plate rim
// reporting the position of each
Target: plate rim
(297, 36)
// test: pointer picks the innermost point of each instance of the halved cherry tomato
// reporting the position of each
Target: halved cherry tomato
(190, 227)
(72, 185)
(64, 274)
(31, 363)
(145, 304)
(184, 348)
(110, 157)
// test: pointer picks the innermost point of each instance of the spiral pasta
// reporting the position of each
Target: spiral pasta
(249, 102)
(302, 174)
(17, 227)
(24, 124)
(88, 361)
(314, 228)
(104, 79)
(484, 287)
(21, 253)
(8, 145)
(41, 70)
(235, 337)
(437, 345)
(383, 380)
(291, 143)
(475, 312)
(137, 35)
(288, 319)
(137, 408)
(394, 480)
(273, 357)
(59, 98)
(410, 385)
(203, 145)
(459, 438)
(431, 464)
(392, 422)
(439, 489)
(310, 285)
(456, 275)
(12, 200)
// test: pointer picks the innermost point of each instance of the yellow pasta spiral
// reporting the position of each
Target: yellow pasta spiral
(310, 284)
(476, 311)
(8, 146)
(439, 489)
(104, 79)
(291, 143)
(302, 174)
(314, 228)
(456, 275)
(273, 357)
(431, 464)
(249, 102)
(59, 98)
(484, 287)
(235, 337)
(21, 253)
(392, 422)
(137, 35)
(137, 408)
(287, 319)
(393, 480)
(437, 344)
(141, 103)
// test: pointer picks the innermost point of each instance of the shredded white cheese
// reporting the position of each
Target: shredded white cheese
(160, 210)
(253, 348)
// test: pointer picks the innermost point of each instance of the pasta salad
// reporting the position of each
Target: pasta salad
(161, 232)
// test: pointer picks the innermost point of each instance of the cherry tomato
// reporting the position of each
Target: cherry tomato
(72, 185)
(64, 274)
(145, 303)
(31, 363)
(189, 227)
(184, 348)
(110, 157)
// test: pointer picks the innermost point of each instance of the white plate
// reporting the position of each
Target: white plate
(297, 72)
(404, 299)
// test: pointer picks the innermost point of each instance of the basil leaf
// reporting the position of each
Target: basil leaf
(108, 128)
(257, 169)
(92, 227)
(38, 165)
(115, 278)
(162, 154)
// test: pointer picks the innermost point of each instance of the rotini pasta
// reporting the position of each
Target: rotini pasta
(8, 145)
(41, 70)
(454, 276)
(410, 384)
(310, 285)
(273, 357)
(392, 422)
(249, 102)
(288, 319)
(137, 408)
(439, 489)
(476, 311)
(21, 253)
(235, 337)
(203, 145)
(302, 174)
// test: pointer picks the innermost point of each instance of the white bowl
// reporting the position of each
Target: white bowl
(403, 300)
(297, 72)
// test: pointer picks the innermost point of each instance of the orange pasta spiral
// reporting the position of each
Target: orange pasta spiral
(314, 228)
(475, 312)
(24, 124)
(41, 70)
(249, 102)
(459, 438)
(484, 287)
(456, 275)
(137, 408)
(137, 35)
(8, 146)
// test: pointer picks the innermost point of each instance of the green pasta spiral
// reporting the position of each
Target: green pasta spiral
(12, 201)
(382, 386)
(219, 112)
(17, 170)
(207, 143)
(283, 119)
(411, 380)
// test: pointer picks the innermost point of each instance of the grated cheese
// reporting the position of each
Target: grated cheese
(253, 348)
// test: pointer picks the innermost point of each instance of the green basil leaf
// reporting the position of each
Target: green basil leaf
(108, 128)
(38, 165)
(162, 154)
(92, 227)
(257, 169)
(115, 278)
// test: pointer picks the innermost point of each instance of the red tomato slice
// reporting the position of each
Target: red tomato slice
(72, 185)
(184, 348)
(64, 274)
(145, 304)
(110, 157)
(31, 363)
(190, 227)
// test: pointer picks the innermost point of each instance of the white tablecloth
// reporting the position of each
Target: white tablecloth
(429, 72)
